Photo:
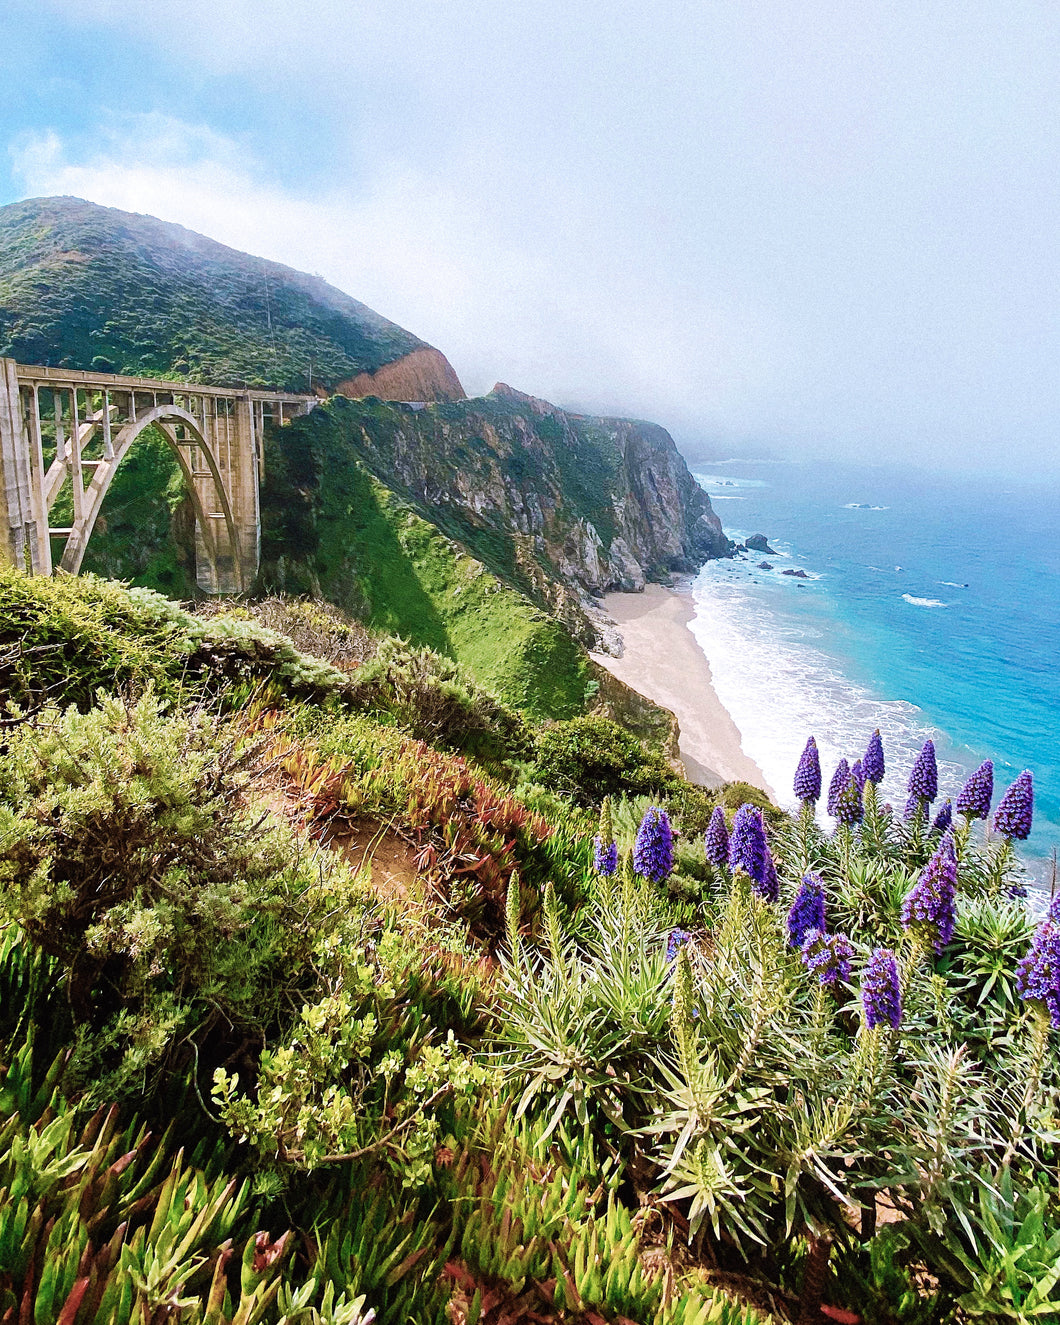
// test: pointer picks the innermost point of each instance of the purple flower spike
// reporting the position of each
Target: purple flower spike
(924, 778)
(605, 857)
(881, 992)
(929, 908)
(653, 849)
(872, 764)
(977, 792)
(1015, 811)
(849, 808)
(808, 773)
(717, 842)
(747, 846)
(678, 938)
(807, 910)
(828, 956)
(912, 807)
(857, 772)
(1038, 974)
(944, 818)
(839, 780)
(768, 887)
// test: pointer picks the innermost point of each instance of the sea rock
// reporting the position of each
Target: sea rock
(759, 543)
(796, 574)
(765, 565)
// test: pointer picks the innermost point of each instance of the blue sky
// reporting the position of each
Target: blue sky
(820, 228)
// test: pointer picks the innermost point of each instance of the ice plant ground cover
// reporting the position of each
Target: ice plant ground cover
(305, 1019)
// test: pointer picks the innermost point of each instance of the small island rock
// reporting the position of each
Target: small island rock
(759, 543)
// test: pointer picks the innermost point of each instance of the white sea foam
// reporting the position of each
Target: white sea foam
(863, 506)
(924, 602)
(775, 678)
(952, 584)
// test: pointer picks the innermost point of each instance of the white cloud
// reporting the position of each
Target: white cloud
(424, 254)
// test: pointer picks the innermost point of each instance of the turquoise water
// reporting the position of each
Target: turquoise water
(933, 608)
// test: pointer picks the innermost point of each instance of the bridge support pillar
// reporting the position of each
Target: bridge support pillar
(23, 534)
(221, 568)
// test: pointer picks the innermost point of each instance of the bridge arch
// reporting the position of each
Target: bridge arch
(92, 419)
(167, 418)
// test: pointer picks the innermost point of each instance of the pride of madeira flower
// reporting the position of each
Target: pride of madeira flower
(1038, 974)
(807, 910)
(717, 839)
(808, 774)
(653, 849)
(605, 850)
(872, 763)
(1015, 811)
(923, 781)
(827, 956)
(840, 778)
(929, 910)
(849, 807)
(747, 846)
(977, 793)
(881, 992)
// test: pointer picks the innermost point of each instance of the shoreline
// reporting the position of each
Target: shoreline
(662, 661)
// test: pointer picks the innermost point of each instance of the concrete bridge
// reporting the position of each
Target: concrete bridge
(85, 423)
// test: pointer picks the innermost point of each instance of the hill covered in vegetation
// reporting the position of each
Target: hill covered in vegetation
(334, 990)
(483, 529)
(83, 286)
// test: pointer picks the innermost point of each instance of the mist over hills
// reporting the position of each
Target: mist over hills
(92, 287)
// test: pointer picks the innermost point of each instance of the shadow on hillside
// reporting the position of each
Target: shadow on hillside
(328, 529)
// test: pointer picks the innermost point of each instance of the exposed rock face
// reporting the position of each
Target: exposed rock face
(424, 374)
(759, 543)
(566, 505)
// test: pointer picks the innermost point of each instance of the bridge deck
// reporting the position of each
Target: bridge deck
(36, 374)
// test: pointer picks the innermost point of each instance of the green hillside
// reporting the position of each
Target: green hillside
(91, 287)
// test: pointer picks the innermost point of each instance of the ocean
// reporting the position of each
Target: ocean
(931, 607)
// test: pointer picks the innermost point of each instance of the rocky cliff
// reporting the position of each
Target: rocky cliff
(562, 505)
(422, 375)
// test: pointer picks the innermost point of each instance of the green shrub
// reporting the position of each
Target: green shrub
(127, 854)
(592, 757)
(434, 701)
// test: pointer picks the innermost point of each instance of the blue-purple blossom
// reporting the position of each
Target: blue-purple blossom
(913, 806)
(808, 773)
(677, 939)
(827, 956)
(944, 817)
(977, 793)
(768, 886)
(1015, 811)
(605, 856)
(872, 763)
(849, 807)
(717, 840)
(840, 778)
(1038, 974)
(747, 845)
(653, 849)
(807, 910)
(881, 992)
(929, 909)
(924, 776)
(857, 772)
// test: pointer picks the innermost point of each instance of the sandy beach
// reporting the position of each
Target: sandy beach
(663, 661)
